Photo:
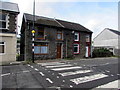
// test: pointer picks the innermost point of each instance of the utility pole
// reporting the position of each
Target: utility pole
(33, 31)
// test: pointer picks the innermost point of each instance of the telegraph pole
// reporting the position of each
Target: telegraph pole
(33, 31)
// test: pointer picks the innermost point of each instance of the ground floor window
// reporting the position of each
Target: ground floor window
(76, 48)
(2, 47)
(41, 49)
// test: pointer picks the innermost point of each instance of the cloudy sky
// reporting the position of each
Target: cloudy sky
(93, 14)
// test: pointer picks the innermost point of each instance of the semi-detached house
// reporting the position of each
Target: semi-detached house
(54, 38)
(8, 27)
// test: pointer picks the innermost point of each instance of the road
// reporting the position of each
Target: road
(92, 74)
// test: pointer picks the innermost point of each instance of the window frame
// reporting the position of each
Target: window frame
(4, 47)
(61, 33)
(6, 20)
(43, 31)
(78, 50)
(87, 38)
(40, 50)
(78, 36)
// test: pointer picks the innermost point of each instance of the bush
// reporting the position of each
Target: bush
(102, 52)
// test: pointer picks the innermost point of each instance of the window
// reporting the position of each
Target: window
(87, 38)
(59, 35)
(3, 21)
(41, 49)
(2, 47)
(76, 36)
(76, 48)
(40, 33)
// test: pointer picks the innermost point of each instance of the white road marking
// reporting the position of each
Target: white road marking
(58, 66)
(49, 80)
(28, 64)
(118, 74)
(112, 75)
(41, 74)
(66, 68)
(71, 86)
(5, 74)
(107, 71)
(26, 71)
(113, 84)
(31, 66)
(88, 78)
(36, 69)
(57, 76)
(51, 63)
(74, 73)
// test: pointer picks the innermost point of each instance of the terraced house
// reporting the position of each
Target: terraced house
(54, 38)
(8, 28)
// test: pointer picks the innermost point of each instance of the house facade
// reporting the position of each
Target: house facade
(8, 28)
(108, 38)
(54, 39)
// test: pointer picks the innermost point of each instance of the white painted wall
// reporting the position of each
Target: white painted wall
(106, 38)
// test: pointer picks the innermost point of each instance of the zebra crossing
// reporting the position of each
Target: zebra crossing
(67, 69)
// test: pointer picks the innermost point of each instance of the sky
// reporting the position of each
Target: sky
(96, 15)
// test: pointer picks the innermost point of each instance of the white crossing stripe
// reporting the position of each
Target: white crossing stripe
(66, 68)
(50, 63)
(28, 64)
(58, 66)
(88, 78)
(113, 84)
(36, 69)
(74, 73)
(41, 73)
(26, 71)
(49, 80)
(5, 74)
(31, 66)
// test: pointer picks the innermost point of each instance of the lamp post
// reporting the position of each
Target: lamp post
(33, 31)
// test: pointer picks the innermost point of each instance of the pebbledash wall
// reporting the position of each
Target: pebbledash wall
(10, 47)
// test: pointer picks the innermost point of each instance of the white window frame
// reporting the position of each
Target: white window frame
(4, 47)
(6, 20)
(76, 33)
(78, 49)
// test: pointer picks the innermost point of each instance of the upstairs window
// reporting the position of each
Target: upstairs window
(59, 35)
(76, 36)
(2, 47)
(40, 34)
(87, 38)
(3, 21)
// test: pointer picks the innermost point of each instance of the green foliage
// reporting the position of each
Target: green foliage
(102, 52)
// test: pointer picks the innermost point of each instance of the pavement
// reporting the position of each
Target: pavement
(61, 74)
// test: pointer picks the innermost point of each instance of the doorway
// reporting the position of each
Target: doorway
(59, 51)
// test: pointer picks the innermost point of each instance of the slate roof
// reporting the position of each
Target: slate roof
(115, 31)
(56, 23)
(8, 6)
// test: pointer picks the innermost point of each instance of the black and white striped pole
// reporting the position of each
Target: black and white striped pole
(33, 39)
(33, 31)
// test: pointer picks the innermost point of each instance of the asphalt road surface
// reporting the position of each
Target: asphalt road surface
(92, 74)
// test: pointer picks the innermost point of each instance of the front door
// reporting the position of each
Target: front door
(58, 50)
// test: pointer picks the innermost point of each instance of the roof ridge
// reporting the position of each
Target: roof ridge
(59, 23)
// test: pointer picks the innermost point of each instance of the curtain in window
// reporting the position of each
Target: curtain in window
(37, 49)
(44, 49)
